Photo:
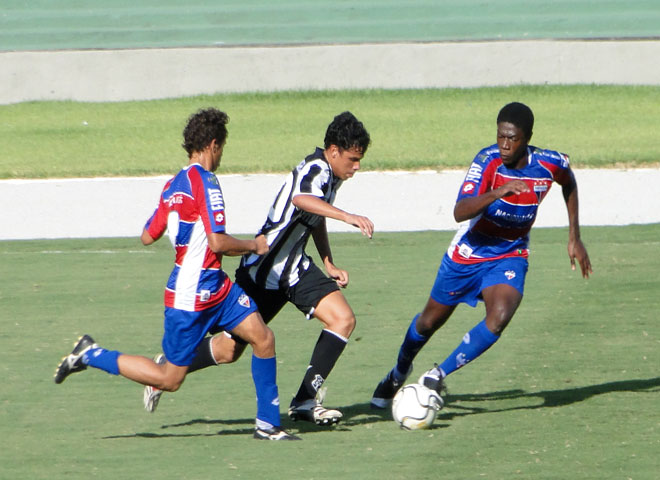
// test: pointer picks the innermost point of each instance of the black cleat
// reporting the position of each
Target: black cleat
(72, 363)
(386, 389)
(273, 433)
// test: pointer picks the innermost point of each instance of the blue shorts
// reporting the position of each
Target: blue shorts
(185, 330)
(459, 283)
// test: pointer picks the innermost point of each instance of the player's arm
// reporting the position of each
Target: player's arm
(154, 228)
(146, 238)
(317, 206)
(576, 249)
(469, 207)
(226, 244)
(320, 236)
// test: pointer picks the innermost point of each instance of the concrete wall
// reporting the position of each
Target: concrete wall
(395, 201)
(117, 75)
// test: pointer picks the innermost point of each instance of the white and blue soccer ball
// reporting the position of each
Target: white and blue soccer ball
(414, 407)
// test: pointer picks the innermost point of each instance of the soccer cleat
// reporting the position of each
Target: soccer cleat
(273, 433)
(72, 363)
(386, 389)
(434, 380)
(313, 411)
(151, 395)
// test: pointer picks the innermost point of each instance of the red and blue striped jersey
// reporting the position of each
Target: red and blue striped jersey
(502, 229)
(191, 204)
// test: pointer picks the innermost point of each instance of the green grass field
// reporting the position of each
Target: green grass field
(599, 126)
(570, 391)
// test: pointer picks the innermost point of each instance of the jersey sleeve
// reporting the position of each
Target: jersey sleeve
(157, 223)
(209, 200)
(558, 164)
(313, 179)
(478, 177)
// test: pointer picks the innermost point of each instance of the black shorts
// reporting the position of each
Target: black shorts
(311, 288)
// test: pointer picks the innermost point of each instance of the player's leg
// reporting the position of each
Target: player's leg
(166, 376)
(338, 320)
(222, 348)
(502, 290)
(137, 368)
(439, 307)
(264, 374)
(239, 316)
(318, 296)
(501, 304)
(420, 330)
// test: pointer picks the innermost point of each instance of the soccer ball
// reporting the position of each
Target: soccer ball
(414, 407)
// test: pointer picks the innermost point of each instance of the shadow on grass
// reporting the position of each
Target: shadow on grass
(548, 398)
(362, 413)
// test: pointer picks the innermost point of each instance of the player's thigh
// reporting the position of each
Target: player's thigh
(334, 312)
(501, 302)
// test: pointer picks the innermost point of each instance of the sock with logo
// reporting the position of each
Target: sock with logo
(412, 344)
(474, 343)
(329, 347)
(102, 359)
(264, 375)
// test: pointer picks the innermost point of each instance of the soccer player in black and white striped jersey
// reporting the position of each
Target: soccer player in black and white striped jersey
(287, 274)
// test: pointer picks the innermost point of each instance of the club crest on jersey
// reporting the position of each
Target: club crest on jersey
(244, 300)
(510, 274)
(540, 189)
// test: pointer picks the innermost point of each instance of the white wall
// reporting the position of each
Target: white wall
(395, 201)
(113, 75)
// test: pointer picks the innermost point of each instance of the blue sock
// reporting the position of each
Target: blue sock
(474, 343)
(102, 359)
(412, 344)
(264, 374)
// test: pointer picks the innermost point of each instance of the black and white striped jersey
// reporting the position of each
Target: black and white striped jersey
(288, 228)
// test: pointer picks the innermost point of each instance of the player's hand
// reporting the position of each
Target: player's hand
(577, 251)
(261, 245)
(337, 274)
(514, 187)
(365, 225)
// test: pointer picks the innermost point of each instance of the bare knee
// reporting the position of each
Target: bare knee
(497, 321)
(341, 324)
(263, 344)
(171, 384)
(434, 316)
(498, 315)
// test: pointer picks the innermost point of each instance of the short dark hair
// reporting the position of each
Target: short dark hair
(347, 132)
(202, 127)
(519, 115)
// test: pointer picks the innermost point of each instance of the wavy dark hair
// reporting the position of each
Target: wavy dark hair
(518, 114)
(202, 127)
(347, 132)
